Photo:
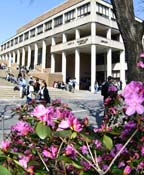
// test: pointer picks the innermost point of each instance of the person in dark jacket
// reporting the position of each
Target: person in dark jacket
(105, 87)
(44, 94)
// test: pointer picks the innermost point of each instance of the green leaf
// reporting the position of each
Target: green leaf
(86, 138)
(107, 141)
(42, 130)
(117, 171)
(4, 171)
(64, 158)
(39, 173)
(76, 165)
(64, 133)
(74, 135)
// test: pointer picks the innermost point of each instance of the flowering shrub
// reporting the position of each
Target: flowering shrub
(140, 63)
(51, 140)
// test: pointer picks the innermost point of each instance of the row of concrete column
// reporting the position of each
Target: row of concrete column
(77, 57)
(77, 62)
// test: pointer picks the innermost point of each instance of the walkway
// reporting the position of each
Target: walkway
(83, 104)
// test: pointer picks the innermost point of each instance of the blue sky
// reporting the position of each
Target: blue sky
(15, 13)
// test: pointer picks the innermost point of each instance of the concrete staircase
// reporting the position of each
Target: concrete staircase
(6, 88)
(7, 92)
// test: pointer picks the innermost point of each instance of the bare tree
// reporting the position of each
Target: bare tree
(132, 32)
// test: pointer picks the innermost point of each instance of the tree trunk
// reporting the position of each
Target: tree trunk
(132, 32)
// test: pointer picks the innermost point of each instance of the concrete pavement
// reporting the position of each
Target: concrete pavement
(83, 104)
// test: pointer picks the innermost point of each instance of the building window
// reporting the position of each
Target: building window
(8, 45)
(115, 57)
(102, 10)
(48, 25)
(12, 42)
(40, 29)
(16, 40)
(26, 35)
(83, 10)
(58, 21)
(100, 59)
(20, 38)
(4, 46)
(32, 33)
(1, 47)
(113, 15)
(69, 16)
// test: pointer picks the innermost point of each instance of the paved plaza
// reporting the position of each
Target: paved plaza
(83, 104)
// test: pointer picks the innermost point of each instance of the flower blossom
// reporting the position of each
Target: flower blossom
(45, 114)
(98, 144)
(71, 122)
(127, 170)
(142, 55)
(140, 64)
(112, 88)
(85, 165)
(134, 97)
(134, 87)
(142, 150)
(70, 151)
(51, 153)
(40, 112)
(107, 100)
(5, 145)
(141, 165)
(134, 105)
(84, 149)
(22, 128)
(112, 110)
(24, 160)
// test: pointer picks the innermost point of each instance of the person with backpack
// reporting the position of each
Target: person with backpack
(30, 92)
(108, 88)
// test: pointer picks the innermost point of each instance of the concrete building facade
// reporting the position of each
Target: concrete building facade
(79, 38)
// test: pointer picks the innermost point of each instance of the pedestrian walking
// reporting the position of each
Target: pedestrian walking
(108, 88)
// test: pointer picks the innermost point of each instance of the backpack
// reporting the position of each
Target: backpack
(104, 89)
(26, 90)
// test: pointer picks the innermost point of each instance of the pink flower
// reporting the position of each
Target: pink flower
(71, 122)
(112, 88)
(85, 165)
(51, 152)
(23, 128)
(84, 149)
(141, 165)
(70, 151)
(98, 144)
(64, 124)
(140, 64)
(127, 170)
(5, 145)
(74, 123)
(24, 160)
(121, 164)
(142, 55)
(134, 87)
(112, 110)
(40, 112)
(107, 100)
(46, 153)
(142, 150)
(134, 105)
(45, 114)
